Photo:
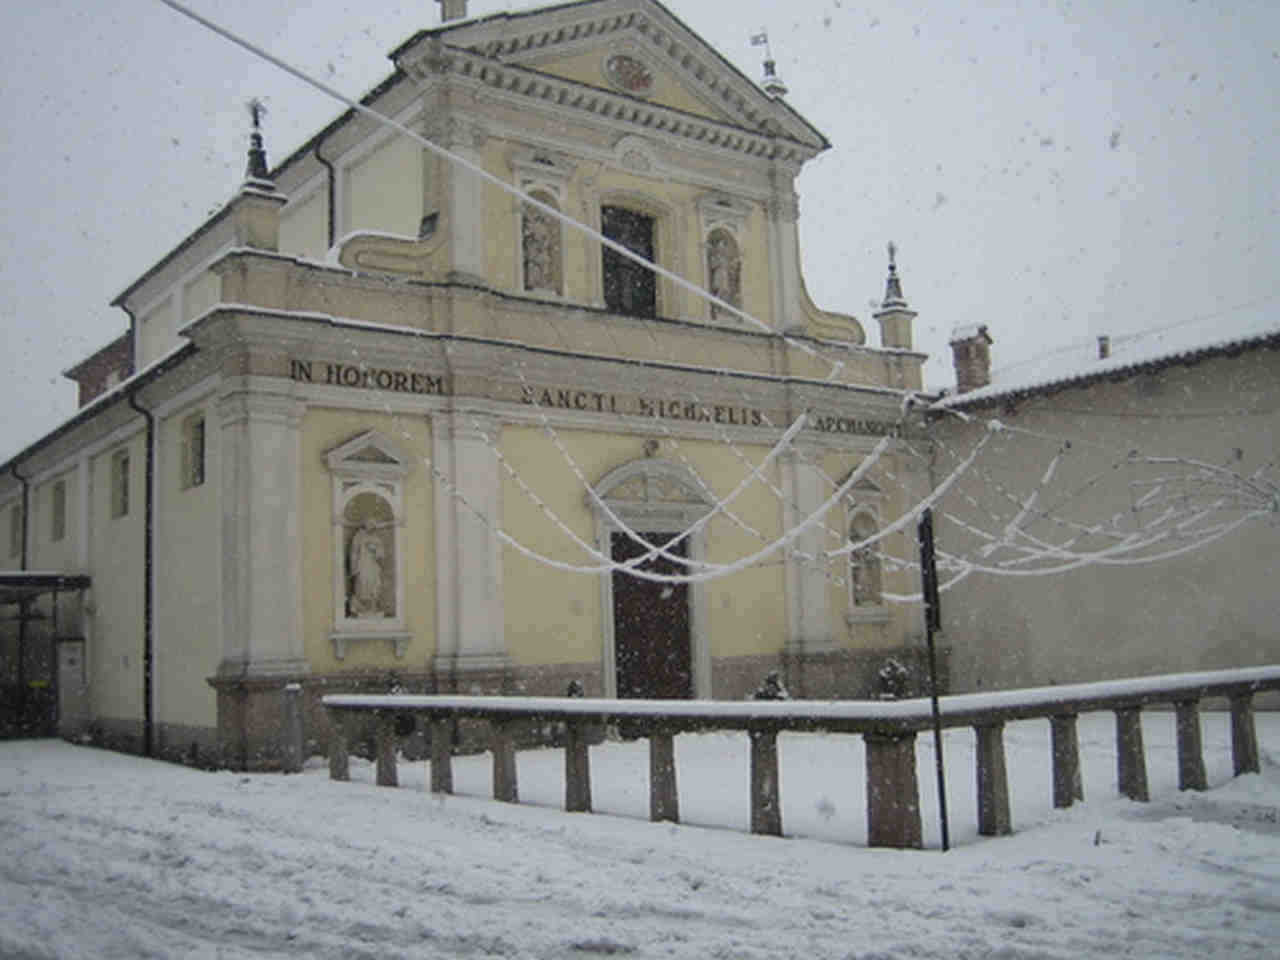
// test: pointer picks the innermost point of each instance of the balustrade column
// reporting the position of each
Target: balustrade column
(385, 737)
(503, 745)
(664, 800)
(766, 809)
(577, 768)
(994, 819)
(1131, 760)
(1191, 775)
(442, 755)
(893, 792)
(1244, 735)
(339, 757)
(1067, 785)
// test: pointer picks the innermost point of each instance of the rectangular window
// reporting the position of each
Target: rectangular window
(15, 531)
(629, 288)
(58, 511)
(193, 451)
(120, 483)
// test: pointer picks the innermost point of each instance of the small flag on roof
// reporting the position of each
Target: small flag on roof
(760, 39)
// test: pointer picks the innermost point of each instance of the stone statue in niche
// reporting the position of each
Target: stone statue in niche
(541, 248)
(371, 588)
(864, 564)
(724, 270)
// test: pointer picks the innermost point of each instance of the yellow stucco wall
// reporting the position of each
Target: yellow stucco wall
(589, 68)
(555, 617)
(188, 599)
(115, 650)
(323, 430)
(383, 190)
(552, 616)
(304, 226)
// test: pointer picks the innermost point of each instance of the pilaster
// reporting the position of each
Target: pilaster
(261, 490)
(463, 193)
(808, 617)
(470, 620)
(782, 212)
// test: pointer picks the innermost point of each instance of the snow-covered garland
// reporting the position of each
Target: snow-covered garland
(1129, 548)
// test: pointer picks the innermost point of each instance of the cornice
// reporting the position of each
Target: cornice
(635, 113)
(566, 28)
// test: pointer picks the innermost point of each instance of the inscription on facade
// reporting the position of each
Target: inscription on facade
(365, 378)
(858, 425)
(595, 401)
(663, 409)
(586, 401)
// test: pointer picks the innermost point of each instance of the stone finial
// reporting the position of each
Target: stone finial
(257, 166)
(971, 354)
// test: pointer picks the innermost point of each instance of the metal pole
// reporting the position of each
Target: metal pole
(932, 622)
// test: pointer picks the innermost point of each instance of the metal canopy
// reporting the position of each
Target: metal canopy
(19, 585)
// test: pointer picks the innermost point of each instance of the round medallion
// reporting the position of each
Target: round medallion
(629, 74)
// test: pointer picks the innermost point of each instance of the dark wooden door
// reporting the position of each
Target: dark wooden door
(652, 640)
(628, 287)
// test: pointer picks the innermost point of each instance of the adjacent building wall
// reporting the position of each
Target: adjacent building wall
(1211, 608)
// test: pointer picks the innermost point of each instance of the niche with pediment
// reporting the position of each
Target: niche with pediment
(865, 574)
(368, 539)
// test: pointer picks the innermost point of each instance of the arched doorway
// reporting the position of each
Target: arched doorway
(654, 644)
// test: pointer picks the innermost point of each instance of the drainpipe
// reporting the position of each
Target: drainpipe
(24, 605)
(332, 195)
(148, 597)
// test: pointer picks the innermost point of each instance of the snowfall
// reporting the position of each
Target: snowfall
(105, 855)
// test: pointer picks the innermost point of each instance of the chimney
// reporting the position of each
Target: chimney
(971, 354)
(1104, 347)
(452, 10)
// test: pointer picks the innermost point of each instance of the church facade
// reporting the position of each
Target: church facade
(386, 422)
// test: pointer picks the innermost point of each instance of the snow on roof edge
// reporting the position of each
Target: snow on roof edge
(1112, 366)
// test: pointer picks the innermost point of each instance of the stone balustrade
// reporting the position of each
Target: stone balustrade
(888, 729)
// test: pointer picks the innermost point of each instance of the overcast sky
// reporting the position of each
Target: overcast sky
(1055, 170)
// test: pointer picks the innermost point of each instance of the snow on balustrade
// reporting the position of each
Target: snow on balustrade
(888, 729)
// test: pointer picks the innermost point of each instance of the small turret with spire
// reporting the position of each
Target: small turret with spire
(771, 83)
(894, 315)
(255, 209)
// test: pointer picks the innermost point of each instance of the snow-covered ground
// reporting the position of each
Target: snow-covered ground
(104, 855)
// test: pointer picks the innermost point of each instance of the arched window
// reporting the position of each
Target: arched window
(864, 563)
(540, 246)
(724, 270)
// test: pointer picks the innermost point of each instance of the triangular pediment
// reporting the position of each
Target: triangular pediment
(369, 454)
(636, 49)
